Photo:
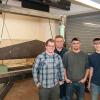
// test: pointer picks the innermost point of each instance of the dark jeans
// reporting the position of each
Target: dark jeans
(77, 88)
(63, 91)
(49, 93)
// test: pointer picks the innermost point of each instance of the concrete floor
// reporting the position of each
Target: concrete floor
(25, 90)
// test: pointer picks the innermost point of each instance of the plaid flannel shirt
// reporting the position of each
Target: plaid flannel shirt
(48, 70)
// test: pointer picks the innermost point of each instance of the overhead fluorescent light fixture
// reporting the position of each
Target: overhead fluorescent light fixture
(90, 3)
(91, 24)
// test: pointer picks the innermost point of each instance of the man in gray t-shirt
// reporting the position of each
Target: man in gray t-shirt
(76, 70)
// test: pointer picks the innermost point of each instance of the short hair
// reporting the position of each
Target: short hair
(96, 39)
(49, 40)
(58, 36)
(75, 39)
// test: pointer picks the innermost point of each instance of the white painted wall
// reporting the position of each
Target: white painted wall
(45, 32)
(27, 28)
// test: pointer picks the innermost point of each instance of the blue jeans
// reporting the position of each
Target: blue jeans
(64, 98)
(77, 88)
(95, 91)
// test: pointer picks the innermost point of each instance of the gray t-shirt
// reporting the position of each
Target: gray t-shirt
(75, 64)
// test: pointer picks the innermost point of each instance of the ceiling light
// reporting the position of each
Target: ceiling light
(89, 24)
(90, 3)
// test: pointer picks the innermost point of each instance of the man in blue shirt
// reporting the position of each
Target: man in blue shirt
(94, 77)
(48, 72)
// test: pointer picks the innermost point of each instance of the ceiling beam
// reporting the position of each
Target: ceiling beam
(28, 12)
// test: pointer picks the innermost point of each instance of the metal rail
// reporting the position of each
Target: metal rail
(9, 78)
(13, 75)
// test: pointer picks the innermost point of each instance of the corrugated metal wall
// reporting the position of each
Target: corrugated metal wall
(86, 27)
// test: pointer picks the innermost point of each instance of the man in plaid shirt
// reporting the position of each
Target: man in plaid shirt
(48, 73)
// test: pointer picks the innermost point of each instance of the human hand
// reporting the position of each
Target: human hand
(68, 80)
(38, 85)
(88, 86)
(61, 82)
(82, 80)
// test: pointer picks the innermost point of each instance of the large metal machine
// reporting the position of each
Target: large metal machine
(28, 49)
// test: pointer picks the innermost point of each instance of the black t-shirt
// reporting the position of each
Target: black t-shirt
(94, 61)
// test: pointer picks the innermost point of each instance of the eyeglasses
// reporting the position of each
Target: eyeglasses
(96, 43)
(52, 46)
